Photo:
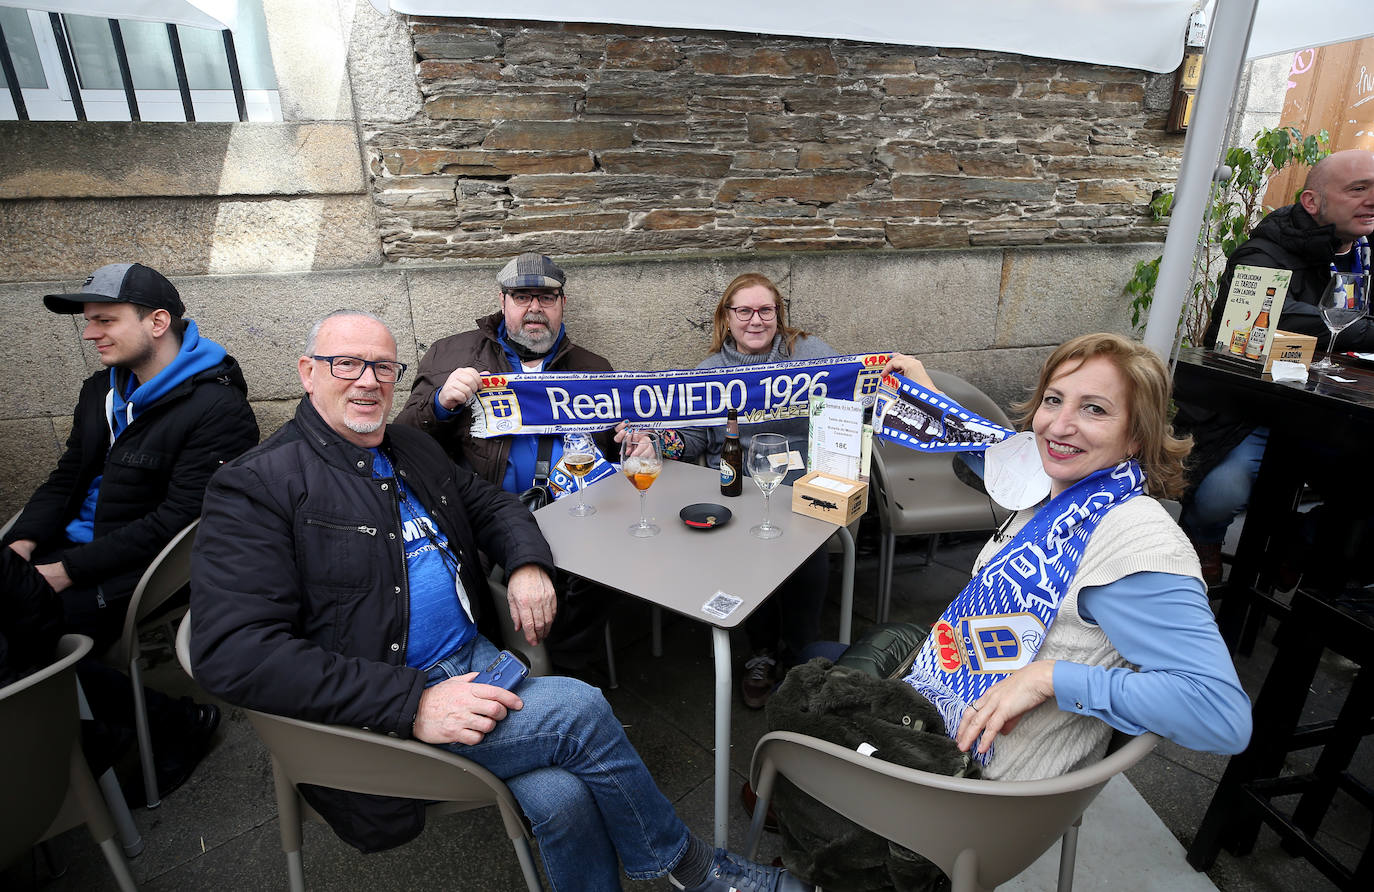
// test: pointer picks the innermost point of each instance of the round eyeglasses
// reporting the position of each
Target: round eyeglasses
(744, 314)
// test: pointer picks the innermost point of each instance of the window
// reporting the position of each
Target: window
(39, 41)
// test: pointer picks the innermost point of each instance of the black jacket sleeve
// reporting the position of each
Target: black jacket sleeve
(248, 638)
(45, 514)
(224, 429)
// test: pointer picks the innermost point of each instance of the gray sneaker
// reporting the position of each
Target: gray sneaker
(731, 873)
(760, 678)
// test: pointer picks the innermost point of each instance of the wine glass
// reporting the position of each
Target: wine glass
(1342, 302)
(641, 460)
(579, 454)
(767, 464)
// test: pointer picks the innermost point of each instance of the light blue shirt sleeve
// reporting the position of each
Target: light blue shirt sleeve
(1186, 688)
(440, 412)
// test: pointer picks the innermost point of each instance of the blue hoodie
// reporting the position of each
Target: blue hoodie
(122, 406)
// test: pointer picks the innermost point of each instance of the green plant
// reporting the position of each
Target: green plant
(1233, 209)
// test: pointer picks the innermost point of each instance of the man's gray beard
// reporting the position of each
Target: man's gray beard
(534, 344)
(363, 427)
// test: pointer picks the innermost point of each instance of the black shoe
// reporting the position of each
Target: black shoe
(175, 762)
(760, 678)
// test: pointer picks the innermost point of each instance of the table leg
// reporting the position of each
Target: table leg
(720, 639)
(847, 586)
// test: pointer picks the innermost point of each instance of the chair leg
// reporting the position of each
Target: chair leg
(114, 796)
(964, 877)
(522, 853)
(932, 544)
(767, 775)
(885, 560)
(610, 657)
(1068, 853)
(145, 740)
(125, 880)
(295, 871)
(656, 633)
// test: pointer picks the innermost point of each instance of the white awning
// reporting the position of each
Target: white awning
(213, 14)
(1142, 34)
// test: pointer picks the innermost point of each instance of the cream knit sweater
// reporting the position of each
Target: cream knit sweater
(1137, 536)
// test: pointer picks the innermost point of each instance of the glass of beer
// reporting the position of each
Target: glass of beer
(767, 464)
(641, 460)
(579, 454)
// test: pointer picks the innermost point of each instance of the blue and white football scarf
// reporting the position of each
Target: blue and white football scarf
(997, 624)
(907, 413)
(563, 402)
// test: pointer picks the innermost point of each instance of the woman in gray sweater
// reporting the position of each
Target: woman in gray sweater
(750, 328)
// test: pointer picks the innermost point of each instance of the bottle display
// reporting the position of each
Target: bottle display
(1254, 347)
(731, 458)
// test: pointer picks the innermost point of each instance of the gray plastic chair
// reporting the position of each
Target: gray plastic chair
(980, 833)
(48, 786)
(366, 762)
(917, 493)
(169, 572)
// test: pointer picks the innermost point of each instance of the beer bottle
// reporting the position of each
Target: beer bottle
(1254, 346)
(731, 458)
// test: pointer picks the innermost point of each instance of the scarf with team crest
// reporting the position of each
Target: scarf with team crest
(998, 622)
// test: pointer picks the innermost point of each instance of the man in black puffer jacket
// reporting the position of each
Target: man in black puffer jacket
(1328, 228)
(148, 431)
(336, 579)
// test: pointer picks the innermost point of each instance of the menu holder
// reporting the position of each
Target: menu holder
(835, 437)
(1250, 316)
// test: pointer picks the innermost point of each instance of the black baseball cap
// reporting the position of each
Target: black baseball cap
(121, 283)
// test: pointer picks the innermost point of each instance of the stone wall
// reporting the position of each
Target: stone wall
(591, 139)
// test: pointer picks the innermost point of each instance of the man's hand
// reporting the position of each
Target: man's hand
(532, 603)
(459, 388)
(56, 574)
(24, 548)
(1000, 709)
(910, 367)
(458, 711)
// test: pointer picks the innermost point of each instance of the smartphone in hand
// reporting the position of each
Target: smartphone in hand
(506, 671)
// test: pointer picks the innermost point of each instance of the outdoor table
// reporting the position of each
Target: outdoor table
(1325, 410)
(682, 568)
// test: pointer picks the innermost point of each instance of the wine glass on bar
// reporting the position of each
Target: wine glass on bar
(579, 454)
(1343, 302)
(767, 464)
(641, 460)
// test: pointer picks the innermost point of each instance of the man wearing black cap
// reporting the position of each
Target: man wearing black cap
(146, 436)
(525, 335)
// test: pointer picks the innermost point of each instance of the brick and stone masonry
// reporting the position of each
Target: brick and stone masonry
(604, 139)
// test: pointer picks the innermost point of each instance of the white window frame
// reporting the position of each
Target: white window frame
(54, 103)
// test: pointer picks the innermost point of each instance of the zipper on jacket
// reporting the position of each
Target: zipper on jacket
(404, 595)
(360, 528)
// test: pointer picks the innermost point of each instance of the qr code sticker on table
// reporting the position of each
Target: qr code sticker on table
(721, 605)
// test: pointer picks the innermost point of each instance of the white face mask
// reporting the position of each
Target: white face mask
(1013, 473)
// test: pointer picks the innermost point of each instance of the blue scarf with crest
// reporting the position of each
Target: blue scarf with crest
(997, 624)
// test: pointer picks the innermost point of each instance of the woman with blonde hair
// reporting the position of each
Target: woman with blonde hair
(750, 327)
(1123, 635)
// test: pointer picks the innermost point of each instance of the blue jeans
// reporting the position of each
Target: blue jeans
(1225, 491)
(585, 790)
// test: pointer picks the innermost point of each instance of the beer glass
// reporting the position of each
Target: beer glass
(641, 460)
(579, 454)
(1343, 301)
(767, 464)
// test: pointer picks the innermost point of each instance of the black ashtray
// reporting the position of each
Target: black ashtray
(704, 515)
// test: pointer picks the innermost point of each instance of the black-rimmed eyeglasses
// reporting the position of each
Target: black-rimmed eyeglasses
(744, 314)
(351, 368)
(523, 298)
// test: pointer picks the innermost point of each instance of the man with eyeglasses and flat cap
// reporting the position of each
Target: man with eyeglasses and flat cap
(525, 335)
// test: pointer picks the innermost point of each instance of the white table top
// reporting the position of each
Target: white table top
(682, 568)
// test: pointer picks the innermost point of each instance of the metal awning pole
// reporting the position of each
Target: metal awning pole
(1216, 93)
